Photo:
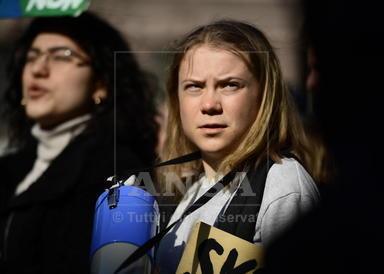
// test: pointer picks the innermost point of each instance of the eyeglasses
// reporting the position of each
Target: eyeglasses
(57, 56)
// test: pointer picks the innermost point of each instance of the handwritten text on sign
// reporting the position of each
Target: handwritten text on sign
(210, 250)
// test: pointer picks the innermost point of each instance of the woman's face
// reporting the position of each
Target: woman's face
(57, 80)
(218, 99)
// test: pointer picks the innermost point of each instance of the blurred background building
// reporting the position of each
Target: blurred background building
(151, 25)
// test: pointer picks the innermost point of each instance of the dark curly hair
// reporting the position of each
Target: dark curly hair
(129, 110)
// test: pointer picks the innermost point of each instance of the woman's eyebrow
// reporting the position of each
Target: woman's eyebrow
(191, 80)
(54, 48)
(229, 78)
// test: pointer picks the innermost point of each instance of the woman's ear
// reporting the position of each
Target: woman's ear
(100, 94)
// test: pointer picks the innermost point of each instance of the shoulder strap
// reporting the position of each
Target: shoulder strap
(240, 217)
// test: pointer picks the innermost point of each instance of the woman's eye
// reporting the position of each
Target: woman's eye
(61, 57)
(31, 58)
(192, 87)
(231, 86)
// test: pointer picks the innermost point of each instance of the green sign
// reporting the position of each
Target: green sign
(53, 7)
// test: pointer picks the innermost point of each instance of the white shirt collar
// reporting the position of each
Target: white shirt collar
(53, 141)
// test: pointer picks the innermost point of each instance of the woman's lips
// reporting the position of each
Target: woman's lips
(212, 128)
(36, 91)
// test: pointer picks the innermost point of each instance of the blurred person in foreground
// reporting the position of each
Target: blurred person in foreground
(346, 234)
(77, 112)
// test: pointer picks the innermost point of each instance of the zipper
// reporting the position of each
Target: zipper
(6, 232)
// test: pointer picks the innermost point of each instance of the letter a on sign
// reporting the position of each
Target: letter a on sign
(210, 250)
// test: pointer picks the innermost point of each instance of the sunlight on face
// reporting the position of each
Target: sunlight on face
(218, 99)
(55, 92)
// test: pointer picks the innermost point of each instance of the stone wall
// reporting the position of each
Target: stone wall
(150, 25)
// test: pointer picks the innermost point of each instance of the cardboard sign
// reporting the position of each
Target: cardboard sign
(210, 250)
(26, 8)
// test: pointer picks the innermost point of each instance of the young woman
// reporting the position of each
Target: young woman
(78, 112)
(227, 99)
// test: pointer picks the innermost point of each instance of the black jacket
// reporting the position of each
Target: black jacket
(47, 228)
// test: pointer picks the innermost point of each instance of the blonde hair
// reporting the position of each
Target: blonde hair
(277, 127)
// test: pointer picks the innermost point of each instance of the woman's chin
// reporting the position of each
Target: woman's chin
(44, 120)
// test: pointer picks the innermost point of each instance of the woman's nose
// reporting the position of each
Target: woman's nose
(40, 67)
(211, 103)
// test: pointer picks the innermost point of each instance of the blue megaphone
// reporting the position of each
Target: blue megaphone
(125, 218)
